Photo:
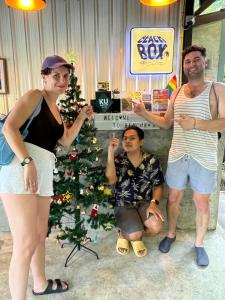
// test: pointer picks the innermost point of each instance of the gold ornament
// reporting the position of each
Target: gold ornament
(139, 197)
(98, 149)
(61, 233)
(101, 187)
(68, 196)
(108, 226)
(94, 140)
(107, 192)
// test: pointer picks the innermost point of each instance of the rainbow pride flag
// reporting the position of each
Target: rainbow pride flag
(172, 85)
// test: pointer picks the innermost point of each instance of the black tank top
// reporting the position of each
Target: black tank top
(44, 130)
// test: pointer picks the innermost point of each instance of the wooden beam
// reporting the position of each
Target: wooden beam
(204, 5)
(208, 18)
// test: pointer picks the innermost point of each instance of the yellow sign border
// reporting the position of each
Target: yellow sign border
(145, 65)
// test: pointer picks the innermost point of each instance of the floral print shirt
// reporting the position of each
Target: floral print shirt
(136, 184)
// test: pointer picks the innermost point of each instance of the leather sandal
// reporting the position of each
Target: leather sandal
(49, 289)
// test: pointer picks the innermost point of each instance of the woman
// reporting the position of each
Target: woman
(26, 183)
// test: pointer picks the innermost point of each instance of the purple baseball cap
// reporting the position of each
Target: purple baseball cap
(55, 61)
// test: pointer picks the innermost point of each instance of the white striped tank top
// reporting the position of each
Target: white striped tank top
(200, 145)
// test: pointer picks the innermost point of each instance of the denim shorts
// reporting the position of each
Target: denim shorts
(185, 171)
(131, 218)
(11, 176)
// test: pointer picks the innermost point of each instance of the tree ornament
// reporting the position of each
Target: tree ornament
(98, 149)
(108, 226)
(107, 192)
(68, 173)
(61, 233)
(94, 211)
(56, 177)
(73, 155)
(68, 196)
(58, 198)
(55, 171)
(94, 140)
(101, 187)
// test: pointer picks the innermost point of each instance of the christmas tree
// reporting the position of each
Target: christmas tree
(80, 191)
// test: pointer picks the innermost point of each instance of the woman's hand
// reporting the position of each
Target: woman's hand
(30, 178)
(86, 112)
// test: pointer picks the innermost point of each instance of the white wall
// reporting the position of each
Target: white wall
(95, 29)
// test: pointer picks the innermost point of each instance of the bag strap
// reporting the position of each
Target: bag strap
(34, 114)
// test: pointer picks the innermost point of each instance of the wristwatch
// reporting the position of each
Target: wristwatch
(155, 201)
(26, 161)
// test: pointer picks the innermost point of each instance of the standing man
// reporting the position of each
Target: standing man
(138, 180)
(197, 111)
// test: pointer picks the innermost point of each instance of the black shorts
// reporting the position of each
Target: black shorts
(131, 218)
